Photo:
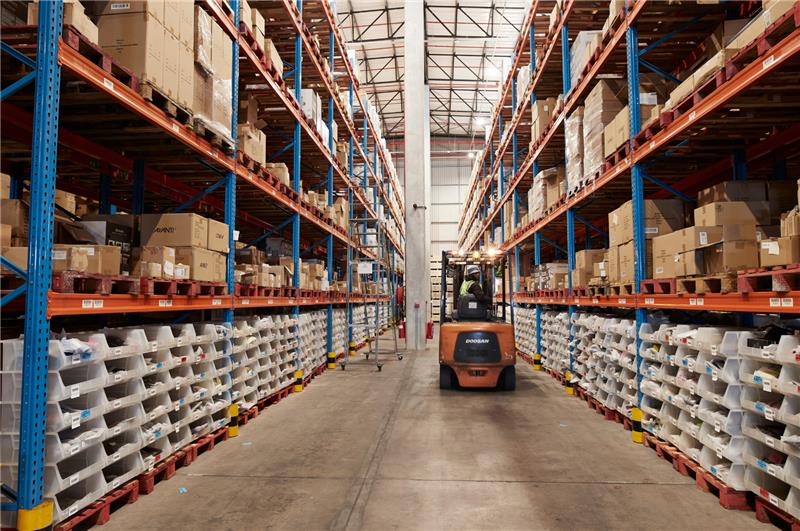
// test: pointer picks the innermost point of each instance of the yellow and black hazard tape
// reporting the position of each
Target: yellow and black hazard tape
(568, 386)
(637, 435)
(298, 380)
(537, 362)
(233, 425)
(352, 350)
(331, 360)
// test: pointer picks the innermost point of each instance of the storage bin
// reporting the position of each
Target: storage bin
(125, 418)
(75, 497)
(160, 336)
(128, 341)
(730, 473)
(123, 470)
(68, 382)
(124, 369)
(123, 444)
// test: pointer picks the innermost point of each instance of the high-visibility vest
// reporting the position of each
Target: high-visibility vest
(465, 286)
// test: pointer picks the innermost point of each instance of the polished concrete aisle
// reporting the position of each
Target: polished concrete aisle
(365, 450)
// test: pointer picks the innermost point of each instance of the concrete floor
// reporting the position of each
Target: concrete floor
(365, 450)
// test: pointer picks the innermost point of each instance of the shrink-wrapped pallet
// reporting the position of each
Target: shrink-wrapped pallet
(573, 139)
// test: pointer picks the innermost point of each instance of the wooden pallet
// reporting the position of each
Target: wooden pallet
(778, 279)
(92, 283)
(171, 287)
(621, 289)
(74, 39)
(165, 102)
(769, 514)
(724, 283)
(209, 131)
(658, 286)
(99, 512)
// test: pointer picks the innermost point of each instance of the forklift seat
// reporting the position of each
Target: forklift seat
(470, 309)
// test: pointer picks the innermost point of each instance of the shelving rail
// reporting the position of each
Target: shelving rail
(72, 117)
(732, 126)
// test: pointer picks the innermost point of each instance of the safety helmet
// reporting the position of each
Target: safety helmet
(473, 269)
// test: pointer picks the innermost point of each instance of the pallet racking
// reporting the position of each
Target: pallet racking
(729, 125)
(71, 110)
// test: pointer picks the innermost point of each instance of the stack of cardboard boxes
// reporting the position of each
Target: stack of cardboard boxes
(74, 15)
(552, 275)
(589, 265)
(541, 113)
(661, 216)
(182, 246)
(549, 186)
(250, 139)
(156, 40)
(601, 106)
(573, 142)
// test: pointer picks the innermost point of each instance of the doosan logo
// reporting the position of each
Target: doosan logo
(164, 229)
(477, 341)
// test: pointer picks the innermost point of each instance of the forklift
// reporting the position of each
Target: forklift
(477, 346)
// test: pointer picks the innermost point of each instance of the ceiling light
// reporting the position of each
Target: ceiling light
(470, 155)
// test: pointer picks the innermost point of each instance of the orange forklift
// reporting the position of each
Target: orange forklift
(476, 345)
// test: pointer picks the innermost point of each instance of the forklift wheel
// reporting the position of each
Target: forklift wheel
(508, 379)
(342, 366)
(380, 367)
(367, 356)
(447, 378)
(399, 356)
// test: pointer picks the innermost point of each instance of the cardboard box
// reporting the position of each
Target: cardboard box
(288, 263)
(221, 61)
(110, 233)
(252, 142)
(154, 7)
(689, 263)
(14, 212)
(733, 191)
(66, 201)
(665, 266)
(182, 272)
(172, 18)
(70, 258)
(764, 232)
(5, 185)
(696, 237)
(218, 237)
(627, 262)
(202, 92)
(781, 197)
(174, 230)
(662, 216)
(612, 268)
(163, 256)
(16, 255)
(790, 223)
(148, 270)
(186, 24)
(202, 262)
(541, 114)
(258, 25)
(203, 40)
(733, 212)
(250, 256)
(186, 75)
(730, 256)
(101, 259)
(5, 235)
(273, 56)
(136, 40)
(279, 170)
(220, 267)
(779, 251)
(74, 15)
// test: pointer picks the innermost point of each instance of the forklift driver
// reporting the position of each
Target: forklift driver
(472, 285)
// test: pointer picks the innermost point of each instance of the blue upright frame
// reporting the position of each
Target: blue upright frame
(230, 176)
(30, 473)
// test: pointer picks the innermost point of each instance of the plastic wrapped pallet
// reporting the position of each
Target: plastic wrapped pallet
(602, 106)
(582, 48)
(573, 138)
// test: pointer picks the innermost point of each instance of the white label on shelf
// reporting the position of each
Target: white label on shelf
(75, 448)
(117, 351)
(769, 413)
(97, 304)
(86, 304)
(59, 254)
(118, 376)
(787, 302)
(768, 61)
(72, 510)
(714, 375)
(117, 402)
(692, 302)
(692, 115)
(107, 83)
(703, 236)
(717, 426)
(769, 441)
(245, 302)
(767, 386)
(774, 302)
(175, 127)
(719, 456)
(116, 457)
(76, 421)
(74, 479)
(595, 301)
(693, 412)
(74, 391)
(774, 500)
(216, 302)
(165, 303)
(622, 301)
(115, 483)
(649, 300)
(117, 430)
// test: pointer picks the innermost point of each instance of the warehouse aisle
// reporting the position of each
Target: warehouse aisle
(366, 450)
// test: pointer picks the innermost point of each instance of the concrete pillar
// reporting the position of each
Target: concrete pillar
(418, 177)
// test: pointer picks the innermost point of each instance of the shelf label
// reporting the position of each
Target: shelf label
(117, 430)
(787, 302)
(595, 300)
(72, 510)
(622, 301)
(769, 413)
(117, 403)
(216, 302)
(774, 302)
(107, 83)
(774, 500)
(769, 441)
(692, 115)
(649, 300)
(245, 302)
(768, 62)
(175, 127)
(767, 386)
(76, 421)
(165, 303)
(74, 479)
(74, 391)
(717, 426)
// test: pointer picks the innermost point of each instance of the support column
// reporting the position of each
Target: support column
(418, 183)
(33, 512)
(230, 177)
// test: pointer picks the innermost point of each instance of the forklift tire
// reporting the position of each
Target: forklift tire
(446, 377)
(508, 379)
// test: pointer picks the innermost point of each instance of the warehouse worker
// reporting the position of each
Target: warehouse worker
(472, 284)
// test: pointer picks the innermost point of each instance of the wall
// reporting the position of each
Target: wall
(449, 184)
